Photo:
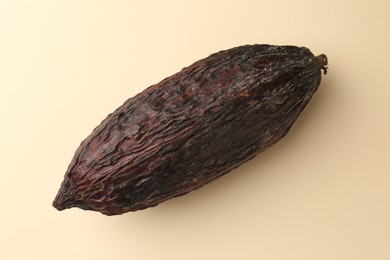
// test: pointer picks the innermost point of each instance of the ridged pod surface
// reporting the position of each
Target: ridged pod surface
(191, 128)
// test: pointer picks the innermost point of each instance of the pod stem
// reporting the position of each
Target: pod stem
(322, 61)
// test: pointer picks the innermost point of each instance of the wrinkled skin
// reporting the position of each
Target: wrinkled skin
(191, 128)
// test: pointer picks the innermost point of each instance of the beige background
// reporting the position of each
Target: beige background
(321, 193)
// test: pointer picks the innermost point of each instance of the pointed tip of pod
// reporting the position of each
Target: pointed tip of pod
(58, 203)
(322, 61)
(64, 199)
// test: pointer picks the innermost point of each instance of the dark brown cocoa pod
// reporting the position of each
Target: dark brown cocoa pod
(191, 128)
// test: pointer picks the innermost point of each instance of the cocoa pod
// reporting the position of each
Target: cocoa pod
(191, 128)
